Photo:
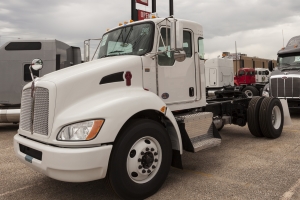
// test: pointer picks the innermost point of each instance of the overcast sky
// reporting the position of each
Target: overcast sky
(256, 25)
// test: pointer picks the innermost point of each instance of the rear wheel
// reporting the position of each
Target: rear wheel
(140, 160)
(250, 91)
(253, 116)
(271, 117)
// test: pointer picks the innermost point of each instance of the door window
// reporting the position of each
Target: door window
(187, 43)
(241, 73)
(165, 58)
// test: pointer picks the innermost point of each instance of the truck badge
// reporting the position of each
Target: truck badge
(284, 77)
(165, 95)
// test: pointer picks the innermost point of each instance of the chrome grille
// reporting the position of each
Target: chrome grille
(285, 88)
(25, 116)
(41, 111)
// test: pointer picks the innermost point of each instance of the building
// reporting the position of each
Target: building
(243, 61)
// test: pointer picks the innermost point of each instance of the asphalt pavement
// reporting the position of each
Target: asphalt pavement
(243, 167)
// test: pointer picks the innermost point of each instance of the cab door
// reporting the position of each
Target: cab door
(176, 80)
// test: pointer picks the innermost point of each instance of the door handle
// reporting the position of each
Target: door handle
(191, 91)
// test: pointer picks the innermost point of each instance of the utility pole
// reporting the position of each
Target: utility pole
(133, 11)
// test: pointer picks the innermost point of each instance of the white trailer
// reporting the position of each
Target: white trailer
(129, 115)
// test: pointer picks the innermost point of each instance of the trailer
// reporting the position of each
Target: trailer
(129, 115)
(285, 78)
(15, 59)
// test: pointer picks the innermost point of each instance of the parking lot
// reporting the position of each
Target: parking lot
(243, 167)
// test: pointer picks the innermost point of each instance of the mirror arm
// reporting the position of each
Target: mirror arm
(31, 74)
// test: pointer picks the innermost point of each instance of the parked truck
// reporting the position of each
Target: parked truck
(129, 115)
(285, 78)
(15, 59)
(251, 81)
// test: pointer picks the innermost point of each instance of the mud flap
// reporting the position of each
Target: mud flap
(286, 112)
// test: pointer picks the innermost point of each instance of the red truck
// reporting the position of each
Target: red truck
(246, 79)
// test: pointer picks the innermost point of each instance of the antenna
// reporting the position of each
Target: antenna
(282, 39)
(235, 59)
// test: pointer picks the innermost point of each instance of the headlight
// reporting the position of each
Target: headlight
(87, 130)
(265, 94)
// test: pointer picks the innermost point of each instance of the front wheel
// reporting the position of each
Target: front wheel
(251, 91)
(140, 160)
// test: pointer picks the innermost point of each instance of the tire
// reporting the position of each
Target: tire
(126, 175)
(250, 91)
(253, 116)
(271, 117)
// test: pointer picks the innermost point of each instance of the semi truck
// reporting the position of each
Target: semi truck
(285, 78)
(15, 59)
(130, 114)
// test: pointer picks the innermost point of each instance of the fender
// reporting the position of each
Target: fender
(115, 107)
(286, 112)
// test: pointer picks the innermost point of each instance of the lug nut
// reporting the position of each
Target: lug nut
(155, 160)
(139, 160)
(152, 149)
(155, 153)
(149, 171)
(147, 149)
(144, 171)
(142, 153)
(153, 167)
(140, 167)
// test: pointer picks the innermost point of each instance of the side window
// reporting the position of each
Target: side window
(166, 58)
(187, 43)
(259, 72)
(241, 73)
(255, 72)
(201, 48)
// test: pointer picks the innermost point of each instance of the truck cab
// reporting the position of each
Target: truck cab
(285, 78)
(245, 76)
(262, 75)
(129, 115)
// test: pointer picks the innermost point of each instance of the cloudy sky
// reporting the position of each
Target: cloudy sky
(256, 25)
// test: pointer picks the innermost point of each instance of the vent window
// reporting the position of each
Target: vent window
(20, 46)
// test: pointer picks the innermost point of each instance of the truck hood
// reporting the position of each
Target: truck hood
(96, 68)
(286, 72)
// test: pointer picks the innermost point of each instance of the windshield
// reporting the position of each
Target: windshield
(128, 40)
(288, 61)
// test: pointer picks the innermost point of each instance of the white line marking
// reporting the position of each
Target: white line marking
(16, 190)
(288, 195)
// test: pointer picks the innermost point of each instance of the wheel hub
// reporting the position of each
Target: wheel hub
(248, 93)
(276, 117)
(144, 159)
(147, 160)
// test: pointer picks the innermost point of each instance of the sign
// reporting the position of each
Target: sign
(144, 2)
(143, 15)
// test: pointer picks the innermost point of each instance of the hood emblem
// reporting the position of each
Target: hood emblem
(284, 77)
(286, 73)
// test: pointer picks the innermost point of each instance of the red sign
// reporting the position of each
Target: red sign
(144, 2)
(143, 15)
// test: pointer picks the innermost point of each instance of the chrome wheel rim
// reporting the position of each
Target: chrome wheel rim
(248, 93)
(276, 117)
(144, 159)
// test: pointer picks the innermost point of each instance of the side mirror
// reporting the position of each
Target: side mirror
(179, 56)
(37, 64)
(176, 35)
(270, 65)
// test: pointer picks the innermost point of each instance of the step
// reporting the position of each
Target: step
(197, 131)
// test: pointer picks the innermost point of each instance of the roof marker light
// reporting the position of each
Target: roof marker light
(120, 24)
(130, 21)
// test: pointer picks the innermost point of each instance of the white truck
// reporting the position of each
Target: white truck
(262, 75)
(129, 115)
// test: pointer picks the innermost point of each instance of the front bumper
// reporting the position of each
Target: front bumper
(65, 164)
